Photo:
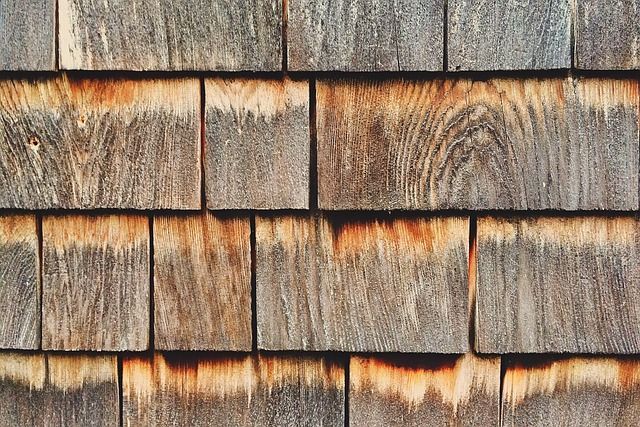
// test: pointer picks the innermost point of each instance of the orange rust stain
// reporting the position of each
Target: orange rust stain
(95, 230)
(18, 227)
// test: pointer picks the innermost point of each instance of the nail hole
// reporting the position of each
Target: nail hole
(33, 141)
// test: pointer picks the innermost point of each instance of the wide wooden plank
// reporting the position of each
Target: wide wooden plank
(171, 35)
(19, 282)
(607, 35)
(424, 390)
(58, 390)
(524, 144)
(257, 143)
(85, 144)
(555, 284)
(374, 285)
(202, 284)
(95, 282)
(404, 35)
(572, 392)
(27, 35)
(240, 390)
(509, 35)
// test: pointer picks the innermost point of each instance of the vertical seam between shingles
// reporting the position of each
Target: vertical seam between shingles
(120, 393)
(285, 21)
(347, 382)
(151, 286)
(56, 37)
(472, 280)
(39, 276)
(254, 292)
(203, 136)
(445, 35)
(313, 149)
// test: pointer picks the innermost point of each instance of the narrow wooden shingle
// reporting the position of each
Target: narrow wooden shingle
(424, 390)
(257, 144)
(19, 282)
(608, 35)
(519, 144)
(558, 285)
(509, 35)
(202, 284)
(27, 35)
(95, 282)
(58, 390)
(374, 285)
(404, 35)
(239, 390)
(170, 35)
(572, 392)
(85, 144)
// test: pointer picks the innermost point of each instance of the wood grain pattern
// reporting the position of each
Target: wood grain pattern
(257, 144)
(27, 35)
(403, 35)
(518, 144)
(374, 285)
(171, 35)
(424, 390)
(85, 144)
(572, 392)
(202, 285)
(95, 282)
(607, 35)
(558, 285)
(19, 282)
(58, 390)
(509, 35)
(238, 390)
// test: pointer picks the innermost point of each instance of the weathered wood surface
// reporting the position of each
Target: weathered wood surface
(362, 285)
(27, 35)
(202, 284)
(509, 35)
(72, 143)
(424, 390)
(58, 390)
(572, 392)
(95, 282)
(238, 390)
(19, 282)
(171, 35)
(404, 35)
(516, 144)
(558, 285)
(608, 35)
(257, 144)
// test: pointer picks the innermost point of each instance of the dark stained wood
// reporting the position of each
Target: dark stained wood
(509, 35)
(424, 390)
(607, 34)
(241, 390)
(523, 144)
(72, 143)
(257, 144)
(95, 282)
(558, 285)
(404, 35)
(372, 285)
(58, 390)
(202, 285)
(171, 35)
(27, 35)
(19, 282)
(572, 392)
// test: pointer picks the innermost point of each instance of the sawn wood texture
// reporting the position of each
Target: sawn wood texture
(202, 282)
(558, 285)
(513, 144)
(257, 143)
(19, 282)
(424, 390)
(171, 35)
(403, 35)
(374, 285)
(110, 143)
(95, 282)
(234, 390)
(509, 35)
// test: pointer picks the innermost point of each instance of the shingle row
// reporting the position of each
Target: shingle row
(391, 144)
(317, 35)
